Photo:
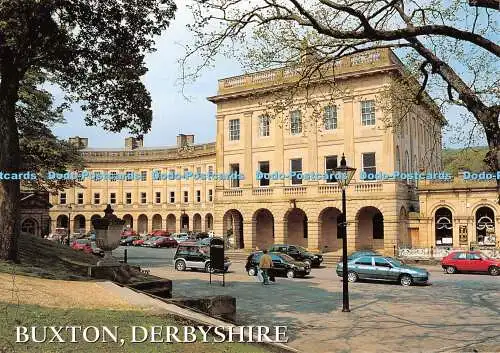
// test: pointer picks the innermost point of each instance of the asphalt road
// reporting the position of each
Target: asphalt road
(146, 257)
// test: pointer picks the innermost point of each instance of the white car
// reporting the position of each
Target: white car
(180, 237)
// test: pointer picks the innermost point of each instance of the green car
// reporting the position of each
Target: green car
(384, 269)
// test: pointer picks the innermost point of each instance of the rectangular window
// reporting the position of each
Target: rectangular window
(235, 171)
(210, 195)
(264, 169)
(97, 176)
(144, 175)
(330, 165)
(112, 198)
(97, 198)
(158, 197)
(210, 169)
(143, 197)
(186, 197)
(128, 198)
(79, 198)
(264, 125)
(185, 172)
(198, 196)
(330, 117)
(62, 198)
(198, 170)
(130, 176)
(234, 129)
(369, 166)
(112, 176)
(295, 122)
(171, 198)
(296, 170)
(368, 112)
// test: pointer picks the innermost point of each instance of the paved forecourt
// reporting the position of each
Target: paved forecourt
(455, 313)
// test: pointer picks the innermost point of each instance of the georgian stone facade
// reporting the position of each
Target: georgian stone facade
(381, 214)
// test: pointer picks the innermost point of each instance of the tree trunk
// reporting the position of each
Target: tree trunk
(492, 130)
(9, 163)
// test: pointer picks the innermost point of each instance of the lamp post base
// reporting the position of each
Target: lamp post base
(344, 310)
(108, 260)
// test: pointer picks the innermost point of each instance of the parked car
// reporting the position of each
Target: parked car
(91, 235)
(283, 265)
(206, 241)
(298, 253)
(159, 233)
(140, 241)
(360, 253)
(82, 245)
(202, 235)
(95, 250)
(193, 255)
(180, 237)
(149, 242)
(383, 268)
(470, 261)
(128, 233)
(162, 242)
(128, 240)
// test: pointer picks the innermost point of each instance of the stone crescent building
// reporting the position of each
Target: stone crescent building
(297, 151)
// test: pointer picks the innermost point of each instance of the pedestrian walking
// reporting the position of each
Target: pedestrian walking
(265, 264)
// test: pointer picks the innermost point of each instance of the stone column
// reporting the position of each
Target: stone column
(247, 168)
(351, 234)
(391, 229)
(219, 151)
(249, 236)
(280, 231)
(313, 235)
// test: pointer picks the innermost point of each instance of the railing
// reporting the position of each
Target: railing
(368, 187)
(295, 190)
(328, 189)
(439, 253)
(237, 192)
(262, 192)
(352, 63)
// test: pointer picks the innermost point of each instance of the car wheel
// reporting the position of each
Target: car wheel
(406, 280)
(308, 263)
(352, 277)
(180, 265)
(494, 271)
(252, 272)
(451, 270)
(290, 274)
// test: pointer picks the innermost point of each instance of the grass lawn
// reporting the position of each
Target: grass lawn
(12, 315)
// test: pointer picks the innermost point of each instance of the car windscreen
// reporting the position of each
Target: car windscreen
(286, 257)
(394, 261)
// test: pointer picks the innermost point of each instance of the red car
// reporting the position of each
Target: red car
(128, 233)
(164, 242)
(82, 245)
(159, 233)
(140, 241)
(470, 261)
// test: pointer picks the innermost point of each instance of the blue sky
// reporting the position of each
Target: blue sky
(172, 112)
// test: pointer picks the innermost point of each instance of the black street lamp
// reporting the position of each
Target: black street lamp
(69, 224)
(344, 176)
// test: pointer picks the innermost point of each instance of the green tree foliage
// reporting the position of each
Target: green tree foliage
(93, 50)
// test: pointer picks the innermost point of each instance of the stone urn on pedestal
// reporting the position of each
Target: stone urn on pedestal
(108, 231)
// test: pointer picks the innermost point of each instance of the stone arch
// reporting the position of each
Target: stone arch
(129, 221)
(196, 222)
(443, 226)
(484, 225)
(296, 227)
(96, 216)
(171, 223)
(142, 224)
(30, 226)
(79, 223)
(232, 228)
(264, 228)
(62, 221)
(209, 222)
(184, 222)
(369, 229)
(330, 233)
(156, 222)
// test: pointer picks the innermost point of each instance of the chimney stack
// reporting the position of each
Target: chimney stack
(185, 140)
(132, 143)
(79, 142)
